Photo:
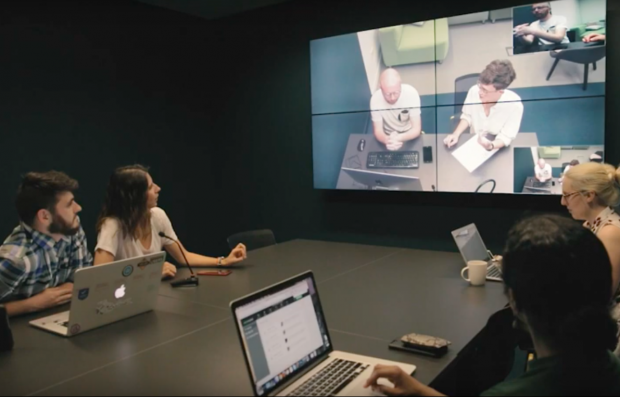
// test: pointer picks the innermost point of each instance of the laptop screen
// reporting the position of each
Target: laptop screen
(283, 332)
(470, 244)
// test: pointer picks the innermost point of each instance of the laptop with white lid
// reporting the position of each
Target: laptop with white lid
(108, 293)
(472, 248)
(287, 347)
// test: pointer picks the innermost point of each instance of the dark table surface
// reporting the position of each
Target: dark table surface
(188, 345)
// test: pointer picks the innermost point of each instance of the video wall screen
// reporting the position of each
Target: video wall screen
(499, 101)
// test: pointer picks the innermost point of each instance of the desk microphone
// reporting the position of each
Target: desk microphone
(193, 280)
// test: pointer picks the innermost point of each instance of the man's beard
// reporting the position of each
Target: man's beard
(60, 226)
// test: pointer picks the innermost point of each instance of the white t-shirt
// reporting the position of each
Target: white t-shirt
(504, 120)
(383, 111)
(111, 239)
(551, 26)
(544, 173)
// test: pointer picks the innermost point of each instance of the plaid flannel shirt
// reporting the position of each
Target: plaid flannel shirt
(31, 262)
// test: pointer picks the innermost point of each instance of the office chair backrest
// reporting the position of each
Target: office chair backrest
(462, 85)
(583, 56)
(253, 240)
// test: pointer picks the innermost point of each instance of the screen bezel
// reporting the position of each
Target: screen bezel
(262, 294)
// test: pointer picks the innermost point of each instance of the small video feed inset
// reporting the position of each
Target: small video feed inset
(562, 25)
(541, 170)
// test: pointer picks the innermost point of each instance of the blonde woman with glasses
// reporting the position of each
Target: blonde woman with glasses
(591, 191)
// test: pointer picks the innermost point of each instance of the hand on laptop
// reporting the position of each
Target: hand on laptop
(53, 297)
(170, 271)
(404, 384)
(239, 254)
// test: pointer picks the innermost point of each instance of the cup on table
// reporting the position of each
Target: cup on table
(477, 273)
(404, 116)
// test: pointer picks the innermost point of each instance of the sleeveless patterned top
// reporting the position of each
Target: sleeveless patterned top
(606, 218)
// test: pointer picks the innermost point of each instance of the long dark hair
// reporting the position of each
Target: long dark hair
(126, 200)
(560, 276)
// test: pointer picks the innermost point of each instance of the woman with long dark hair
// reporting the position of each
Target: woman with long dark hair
(130, 223)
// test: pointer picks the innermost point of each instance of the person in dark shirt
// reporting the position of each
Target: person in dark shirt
(557, 276)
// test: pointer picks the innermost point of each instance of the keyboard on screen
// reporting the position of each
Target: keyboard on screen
(393, 160)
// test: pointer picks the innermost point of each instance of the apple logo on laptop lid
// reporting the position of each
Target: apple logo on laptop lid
(120, 293)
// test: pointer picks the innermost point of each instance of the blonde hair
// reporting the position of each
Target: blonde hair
(602, 179)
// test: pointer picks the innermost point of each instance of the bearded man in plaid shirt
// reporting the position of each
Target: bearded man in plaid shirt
(39, 259)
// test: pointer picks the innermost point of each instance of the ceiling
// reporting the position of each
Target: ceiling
(212, 9)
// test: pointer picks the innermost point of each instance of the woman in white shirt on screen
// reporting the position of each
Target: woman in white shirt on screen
(491, 111)
(130, 223)
(568, 167)
(591, 191)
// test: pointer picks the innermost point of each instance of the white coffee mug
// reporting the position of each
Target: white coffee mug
(477, 273)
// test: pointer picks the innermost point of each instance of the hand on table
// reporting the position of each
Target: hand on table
(170, 271)
(451, 140)
(593, 37)
(485, 143)
(394, 143)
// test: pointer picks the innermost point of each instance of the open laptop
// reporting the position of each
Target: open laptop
(287, 347)
(472, 248)
(381, 181)
(108, 293)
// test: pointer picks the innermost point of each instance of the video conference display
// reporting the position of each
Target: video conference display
(502, 101)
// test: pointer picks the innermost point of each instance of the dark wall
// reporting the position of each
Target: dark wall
(221, 111)
(266, 53)
(86, 87)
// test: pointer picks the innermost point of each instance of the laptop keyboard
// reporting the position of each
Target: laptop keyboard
(331, 379)
(493, 272)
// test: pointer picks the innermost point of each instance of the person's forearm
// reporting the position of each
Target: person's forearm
(460, 129)
(527, 39)
(499, 144)
(381, 137)
(430, 392)
(410, 135)
(197, 260)
(18, 308)
(549, 36)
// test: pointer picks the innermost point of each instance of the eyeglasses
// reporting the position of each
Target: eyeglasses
(485, 91)
(569, 195)
(539, 8)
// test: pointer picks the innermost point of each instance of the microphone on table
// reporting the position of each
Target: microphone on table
(193, 280)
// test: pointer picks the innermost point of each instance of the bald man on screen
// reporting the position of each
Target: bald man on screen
(396, 113)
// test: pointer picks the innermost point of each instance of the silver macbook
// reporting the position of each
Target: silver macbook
(108, 293)
(287, 347)
(472, 248)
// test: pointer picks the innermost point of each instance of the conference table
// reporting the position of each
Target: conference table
(188, 346)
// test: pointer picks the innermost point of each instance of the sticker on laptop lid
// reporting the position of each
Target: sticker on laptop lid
(75, 329)
(128, 271)
(83, 294)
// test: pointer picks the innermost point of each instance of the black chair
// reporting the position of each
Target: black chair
(462, 85)
(253, 240)
(583, 56)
